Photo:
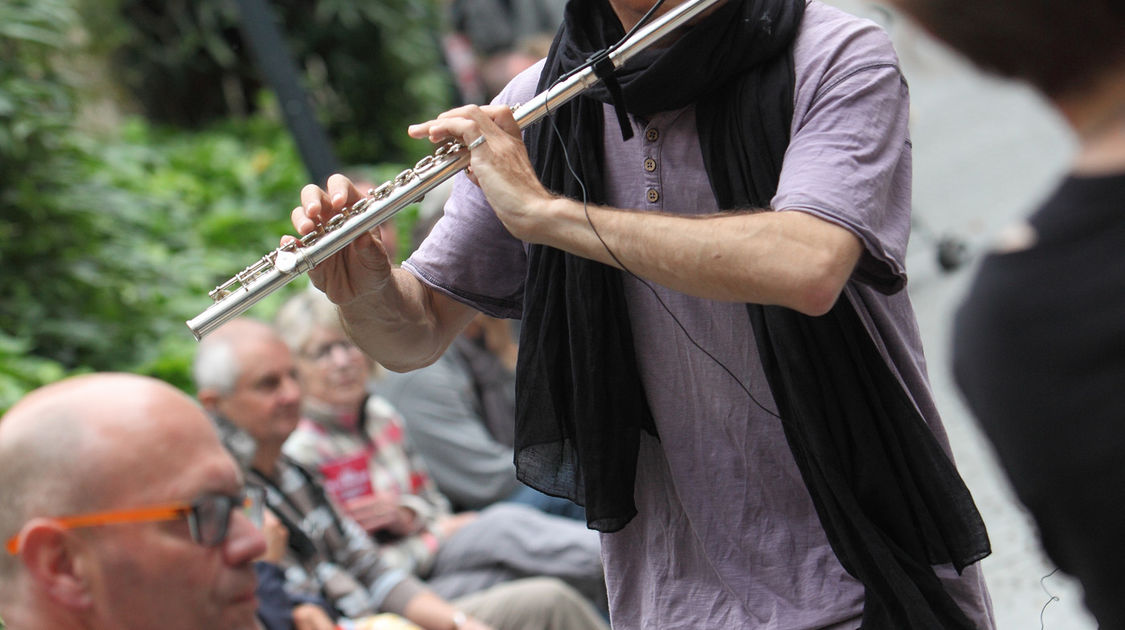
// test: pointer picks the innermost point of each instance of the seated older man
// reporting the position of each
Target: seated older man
(121, 510)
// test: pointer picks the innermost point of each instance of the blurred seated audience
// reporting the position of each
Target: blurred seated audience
(460, 411)
(460, 415)
(247, 380)
(357, 441)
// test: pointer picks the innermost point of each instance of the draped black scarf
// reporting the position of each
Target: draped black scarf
(888, 497)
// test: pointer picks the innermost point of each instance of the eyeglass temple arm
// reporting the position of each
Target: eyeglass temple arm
(168, 512)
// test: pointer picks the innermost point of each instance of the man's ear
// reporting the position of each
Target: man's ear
(59, 561)
(209, 398)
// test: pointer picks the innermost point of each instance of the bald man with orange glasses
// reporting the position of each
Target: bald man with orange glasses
(122, 510)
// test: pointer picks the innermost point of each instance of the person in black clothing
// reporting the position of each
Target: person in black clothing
(1039, 343)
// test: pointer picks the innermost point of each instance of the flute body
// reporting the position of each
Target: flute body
(279, 267)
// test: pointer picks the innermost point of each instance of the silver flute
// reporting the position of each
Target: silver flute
(279, 267)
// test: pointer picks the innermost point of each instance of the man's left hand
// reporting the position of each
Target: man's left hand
(499, 164)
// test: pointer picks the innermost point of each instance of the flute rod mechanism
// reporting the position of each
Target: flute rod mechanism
(279, 267)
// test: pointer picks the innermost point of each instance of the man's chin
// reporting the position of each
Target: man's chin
(242, 615)
(288, 422)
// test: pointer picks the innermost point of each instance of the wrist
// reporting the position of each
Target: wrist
(367, 296)
(555, 222)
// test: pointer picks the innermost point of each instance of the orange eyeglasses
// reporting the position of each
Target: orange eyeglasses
(208, 516)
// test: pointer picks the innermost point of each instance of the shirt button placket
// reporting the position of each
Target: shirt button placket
(652, 194)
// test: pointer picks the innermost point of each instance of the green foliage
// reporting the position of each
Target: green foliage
(110, 240)
(35, 104)
(114, 259)
(36, 107)
(21, 372)
(371, 68)
(201, 207)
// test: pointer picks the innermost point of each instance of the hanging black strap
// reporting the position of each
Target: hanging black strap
(605, 70)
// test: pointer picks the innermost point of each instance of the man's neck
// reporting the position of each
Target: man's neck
(265, 459)
(1097, 115)
(338, 417)
(39, 613)
(1103, 154)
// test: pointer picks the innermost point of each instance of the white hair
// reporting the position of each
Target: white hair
(302, 314)
(216, 366)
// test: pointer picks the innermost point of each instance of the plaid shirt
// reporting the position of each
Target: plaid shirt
(394, 468)
(329, 554)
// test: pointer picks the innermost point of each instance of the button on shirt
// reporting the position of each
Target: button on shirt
(651, 177)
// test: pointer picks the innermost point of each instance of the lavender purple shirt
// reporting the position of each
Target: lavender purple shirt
(726, 535)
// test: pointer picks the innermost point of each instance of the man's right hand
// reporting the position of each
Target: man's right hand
(395, 318)
(361, 268)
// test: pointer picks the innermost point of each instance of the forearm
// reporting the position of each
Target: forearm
(790, 259)
(405, 325)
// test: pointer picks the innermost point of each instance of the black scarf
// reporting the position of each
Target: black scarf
(889, 499)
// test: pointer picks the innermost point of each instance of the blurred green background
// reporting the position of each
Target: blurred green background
(143, 160)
